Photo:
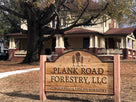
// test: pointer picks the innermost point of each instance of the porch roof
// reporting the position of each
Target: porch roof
(16, 34)
(80, 31)
(121, 31)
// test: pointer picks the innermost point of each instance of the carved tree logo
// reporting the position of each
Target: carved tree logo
(77, 58)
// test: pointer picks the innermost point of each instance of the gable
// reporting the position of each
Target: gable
(131, 36)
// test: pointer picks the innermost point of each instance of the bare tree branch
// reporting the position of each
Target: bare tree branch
(47, 12)
(57, 9)
(86, 22)
(83, 11)
(58, 20)
(99, 22)
(12, 22)
(43, 23)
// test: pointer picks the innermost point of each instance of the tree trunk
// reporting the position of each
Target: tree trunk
(33, 39)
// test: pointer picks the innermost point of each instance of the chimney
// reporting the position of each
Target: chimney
(111, 25)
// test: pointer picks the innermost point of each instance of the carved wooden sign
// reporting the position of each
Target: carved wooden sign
(79, 72)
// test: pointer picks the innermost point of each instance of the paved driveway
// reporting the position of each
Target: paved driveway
(5, 74)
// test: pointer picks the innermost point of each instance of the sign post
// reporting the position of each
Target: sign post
(116, 78)
(42, 77)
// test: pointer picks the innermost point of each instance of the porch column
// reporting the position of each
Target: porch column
(12, 44)
(131, 48)
(12, 48)
(93, 44)
(125, 49)
(133, 44)
(96, 41)
(61, 42)
(102, 42)
(57, 41)
(126, 43)
(130, 44)
(121, 45)
(59, 49)
(96, 45)
(135, 47)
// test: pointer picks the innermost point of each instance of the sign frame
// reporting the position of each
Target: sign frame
(116, 59)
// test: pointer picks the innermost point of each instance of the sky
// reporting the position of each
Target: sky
(96, 0)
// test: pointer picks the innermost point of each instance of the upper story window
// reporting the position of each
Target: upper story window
(61, 24)
(64, 22)
(53, 23)
(105, 24)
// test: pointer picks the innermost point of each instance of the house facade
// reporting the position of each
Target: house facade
(104, 40)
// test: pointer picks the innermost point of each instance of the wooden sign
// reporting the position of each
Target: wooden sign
(79, 72)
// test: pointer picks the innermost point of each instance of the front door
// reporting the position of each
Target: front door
(85, 43)
(111, 43)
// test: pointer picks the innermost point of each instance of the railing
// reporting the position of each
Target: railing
(109, 51)
(131, 53)
(20, 53)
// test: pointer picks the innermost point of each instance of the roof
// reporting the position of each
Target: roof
(80, 31)
(120, 31)
(16, 34)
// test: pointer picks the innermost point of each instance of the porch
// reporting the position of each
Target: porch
(103, 46)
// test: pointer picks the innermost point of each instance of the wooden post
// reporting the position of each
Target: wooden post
(42, 77)
(117, 78)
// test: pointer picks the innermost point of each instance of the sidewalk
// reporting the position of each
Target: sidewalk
(5, 74)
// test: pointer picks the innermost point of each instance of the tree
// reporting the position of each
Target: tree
(8, 23)
(39, 13)
(132, 14)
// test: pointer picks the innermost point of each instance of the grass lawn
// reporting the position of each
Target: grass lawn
(6, 66)
(25, 88)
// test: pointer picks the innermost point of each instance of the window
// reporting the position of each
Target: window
(53, 44)
(60, 23)
(99, 42)
(111, 43)
(66, 44)
(53, 23)
(128, 43)
(64, 22)
(105, 24)
(106, 43)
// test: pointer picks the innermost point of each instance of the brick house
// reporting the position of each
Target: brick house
(114, 41)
